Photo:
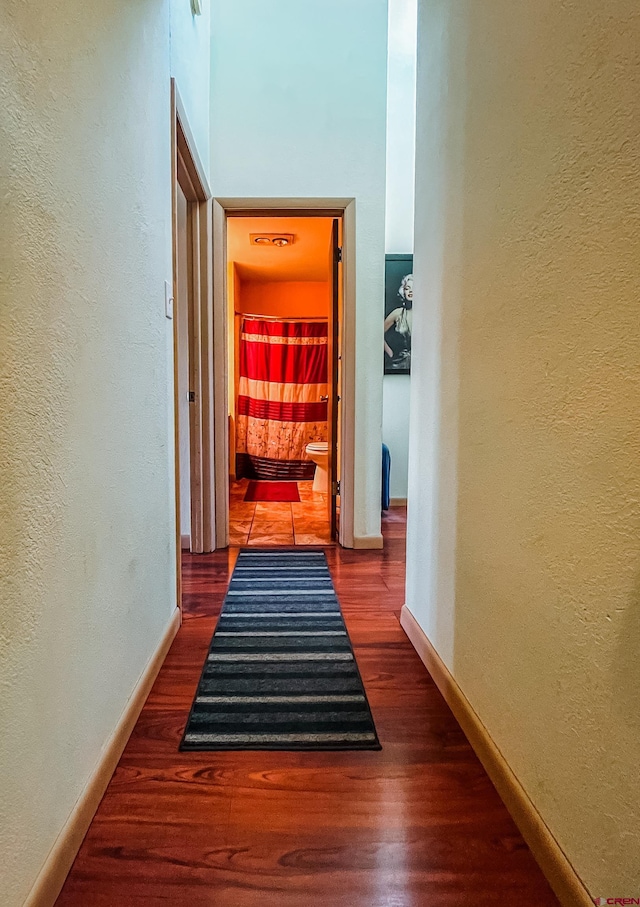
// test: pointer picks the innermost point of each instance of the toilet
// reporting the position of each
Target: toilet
(318, 451)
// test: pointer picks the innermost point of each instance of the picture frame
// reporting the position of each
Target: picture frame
(398, 302)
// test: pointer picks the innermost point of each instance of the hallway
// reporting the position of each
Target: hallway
(417, 823)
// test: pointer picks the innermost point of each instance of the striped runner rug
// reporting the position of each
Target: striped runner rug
(280, 673)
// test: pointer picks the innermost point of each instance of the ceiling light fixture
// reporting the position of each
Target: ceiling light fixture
(271, 239)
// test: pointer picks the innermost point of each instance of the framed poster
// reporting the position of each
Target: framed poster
(398, 317)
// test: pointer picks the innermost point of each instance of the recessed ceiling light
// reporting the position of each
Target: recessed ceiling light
(271, 239)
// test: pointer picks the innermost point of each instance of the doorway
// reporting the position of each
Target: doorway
(283, 329)
(189, 302)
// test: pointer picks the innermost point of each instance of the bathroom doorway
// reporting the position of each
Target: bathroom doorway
(284, 310)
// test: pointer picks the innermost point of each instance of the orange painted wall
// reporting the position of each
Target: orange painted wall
(284, 299)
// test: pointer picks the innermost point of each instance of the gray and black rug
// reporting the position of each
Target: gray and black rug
(280, 673)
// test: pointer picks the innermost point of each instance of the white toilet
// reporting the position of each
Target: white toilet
(318, 451)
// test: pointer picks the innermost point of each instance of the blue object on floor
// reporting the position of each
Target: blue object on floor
(386, 477)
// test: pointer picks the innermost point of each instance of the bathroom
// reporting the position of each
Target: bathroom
(283, 373)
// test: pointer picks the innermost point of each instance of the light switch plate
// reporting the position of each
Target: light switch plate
(168, 299)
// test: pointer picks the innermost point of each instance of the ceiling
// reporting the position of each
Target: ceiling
(307, 258)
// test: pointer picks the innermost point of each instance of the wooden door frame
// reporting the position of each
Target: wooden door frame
(335, 320)
(187, 172)
(296, 207)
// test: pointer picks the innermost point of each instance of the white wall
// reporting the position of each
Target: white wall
(87, 522)
(298, 110)
(523, 553)
(190, 39)
(401, 125)
(401, 115)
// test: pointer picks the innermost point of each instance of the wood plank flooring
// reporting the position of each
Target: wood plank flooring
(416, 824)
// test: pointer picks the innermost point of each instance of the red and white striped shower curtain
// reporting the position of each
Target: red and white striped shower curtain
(283, 375)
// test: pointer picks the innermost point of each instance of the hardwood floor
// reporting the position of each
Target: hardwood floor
(416, 824)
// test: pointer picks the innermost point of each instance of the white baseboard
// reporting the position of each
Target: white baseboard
(185, 542)
(52, 876)
(554, 863)
(368, 541)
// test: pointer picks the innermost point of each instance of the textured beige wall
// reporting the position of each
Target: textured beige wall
(524, 523)
(190, 45)
(87, 519)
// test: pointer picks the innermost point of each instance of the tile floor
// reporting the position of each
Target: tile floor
(278, 523)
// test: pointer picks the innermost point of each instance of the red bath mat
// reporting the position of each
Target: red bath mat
(272, 491)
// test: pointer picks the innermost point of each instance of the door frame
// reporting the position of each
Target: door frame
(345, 209)
(187, 172)
(335, 319)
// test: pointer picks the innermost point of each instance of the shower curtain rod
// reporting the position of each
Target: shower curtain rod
(283, 317)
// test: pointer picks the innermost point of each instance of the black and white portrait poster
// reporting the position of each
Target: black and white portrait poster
(398, 302)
